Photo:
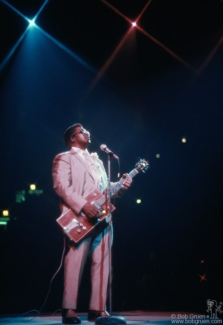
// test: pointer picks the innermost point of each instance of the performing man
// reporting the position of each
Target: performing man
(75, 174)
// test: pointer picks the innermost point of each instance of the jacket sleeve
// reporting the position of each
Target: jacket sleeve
(118, 192)
(62, 183)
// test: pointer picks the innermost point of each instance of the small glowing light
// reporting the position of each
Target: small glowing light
(134, 24)
(157, 155)
(32, 187)
(202, 261)
(4, 223)
(5, 213)
(202, 277)
(103, 211)
(184, 140)
(138, 201)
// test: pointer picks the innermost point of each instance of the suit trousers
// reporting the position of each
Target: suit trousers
(97, 247)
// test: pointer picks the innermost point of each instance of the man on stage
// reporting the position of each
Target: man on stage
(75, 174)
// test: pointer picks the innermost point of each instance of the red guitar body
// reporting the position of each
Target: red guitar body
(76, 227)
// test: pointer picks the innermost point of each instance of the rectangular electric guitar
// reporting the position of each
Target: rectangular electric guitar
(77, 227)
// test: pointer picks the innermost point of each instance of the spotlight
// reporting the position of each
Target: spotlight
(134, 24)
(138, 201)
(184, 140)
(31, 23)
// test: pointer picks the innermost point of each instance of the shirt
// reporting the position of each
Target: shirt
(97, 171)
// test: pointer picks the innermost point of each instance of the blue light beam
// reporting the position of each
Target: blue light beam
(30, 21)
(68, 51)
(41, 8)
(33, 24)
(13, 50)
(14, 9)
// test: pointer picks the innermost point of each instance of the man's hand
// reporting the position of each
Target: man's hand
(90, 210)
(127, 181)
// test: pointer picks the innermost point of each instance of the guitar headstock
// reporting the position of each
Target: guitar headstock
(142, 165)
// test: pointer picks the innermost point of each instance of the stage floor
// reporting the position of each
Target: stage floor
(131, 317)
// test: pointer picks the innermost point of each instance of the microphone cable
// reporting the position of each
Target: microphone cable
(53, 277)
(51, 281)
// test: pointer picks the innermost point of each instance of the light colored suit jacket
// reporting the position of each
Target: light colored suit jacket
(73, 180)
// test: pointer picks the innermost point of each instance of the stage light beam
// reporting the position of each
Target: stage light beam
(116, 11)
(31, 24)
(41, 8)
(68, 51)
(144, 9)
(152, 38)
(14, 9)
(210, 56)
(109, 60)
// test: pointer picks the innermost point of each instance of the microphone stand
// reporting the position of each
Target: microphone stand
(110, 235)
(110, 319)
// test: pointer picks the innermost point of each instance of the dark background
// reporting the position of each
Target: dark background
(164, 83)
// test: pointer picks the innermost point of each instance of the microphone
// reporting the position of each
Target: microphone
(103, 147)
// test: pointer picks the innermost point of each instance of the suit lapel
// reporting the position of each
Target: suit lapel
(75, 155)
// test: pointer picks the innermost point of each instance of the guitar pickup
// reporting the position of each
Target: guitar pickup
(73, 224)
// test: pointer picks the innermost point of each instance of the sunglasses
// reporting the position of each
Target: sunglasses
(83, 131)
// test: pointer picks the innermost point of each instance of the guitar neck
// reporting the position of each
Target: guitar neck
(142, 165)
(118, 186)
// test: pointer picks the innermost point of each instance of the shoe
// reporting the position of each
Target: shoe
(69, 316)
(94, 314)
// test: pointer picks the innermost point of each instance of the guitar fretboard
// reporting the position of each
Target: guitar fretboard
(118, 186)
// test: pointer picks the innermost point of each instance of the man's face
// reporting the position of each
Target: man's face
(80, 138)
